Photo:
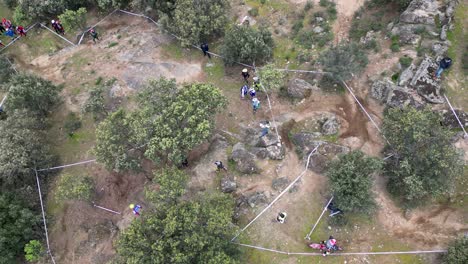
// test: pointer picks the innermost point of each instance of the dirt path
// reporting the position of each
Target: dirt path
(346, 9)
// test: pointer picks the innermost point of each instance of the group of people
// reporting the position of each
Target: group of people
(11, 30)
(245, 89)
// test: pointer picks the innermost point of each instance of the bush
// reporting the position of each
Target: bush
(248, 45)
(72, 187)
(172, 185)
(324, 3)
(309, 5)
(395, 46)
(33, 251)
(271, 78)
(96, 102)
(425, 164)
(72, 20)
(351, 182)
(72, 123)
(112, 4)
(332, 12)
(344, 60)
(406, 61)
(297, 26)
(253, 12)
(457, 252)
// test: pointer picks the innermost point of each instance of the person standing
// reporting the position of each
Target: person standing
(330, 244)
(244, 90)
(204, 47)
(10, 32)
(252, 92)
(444, 64)
(265, 128)
(255, 104)
(94, 34)
(60, 28)
(256, 82)
(54, 25)
(246, 75)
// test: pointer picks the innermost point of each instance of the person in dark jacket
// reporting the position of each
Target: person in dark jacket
(246, 75)
(204, 47)
(444, 64)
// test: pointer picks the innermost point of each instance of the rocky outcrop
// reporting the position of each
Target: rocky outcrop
(424, 83)
(406, 76)
(419, 14)
(369, 37)
(256, 199)
(228, 185)
(394, 96)
(448, 119)
(245, 161)
(306, 142)
(330, 126)
(298, 88)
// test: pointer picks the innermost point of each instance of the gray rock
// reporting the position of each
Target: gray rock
(424, 83)
(439, 48)
(300, 89)
(406, 34)
(256, 199)
(319, 19)
(228, 185)
(276, 152)
(448, 119)
(268, 140)
(280, 183)
(380, 89)
(317, 29)
(331, 126)
(260, 153)
(370, 36)
(443, 33)
(305, 140)
(400, 98)
(245, 161)
(390, 26)
(420, 12)
(407, 75)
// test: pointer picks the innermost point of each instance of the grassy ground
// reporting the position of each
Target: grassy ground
(457, 80)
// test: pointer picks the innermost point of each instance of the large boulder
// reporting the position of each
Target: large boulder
(407, 75)
(276, 152)
(256, 199)
(400, 98)
(245, 161)
(280, 184)
(304, 140)
(228, 185)
(424, 82)
(324, 154)
(300, 89)
(381, 88)
(420, 12)
(439, 48)
(330, 126)
(268, 140)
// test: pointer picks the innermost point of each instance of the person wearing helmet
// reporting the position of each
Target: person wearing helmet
(255, 104)
(54, 25)
(246, 75)
(244, 90)
(256, 82)
(21, 31)
(94, 34)
(136, 209)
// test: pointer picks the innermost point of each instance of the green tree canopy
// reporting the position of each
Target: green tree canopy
(22, 140)
(6, 72)
(74, 19)
(114, 143)
(247, 44)
(351, 181)
(189, 232)
(47, 9)
(457, 252)
(196, 21)
(17, 227)
(168, 123)
(33, 93)
(344, 60)
(425, 163)
(172, 185)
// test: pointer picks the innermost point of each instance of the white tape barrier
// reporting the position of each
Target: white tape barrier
(18, 37)
(69, 165)
(318, 220)
(456, 116)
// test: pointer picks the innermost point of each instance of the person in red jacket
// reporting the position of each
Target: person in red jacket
(21, 31)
